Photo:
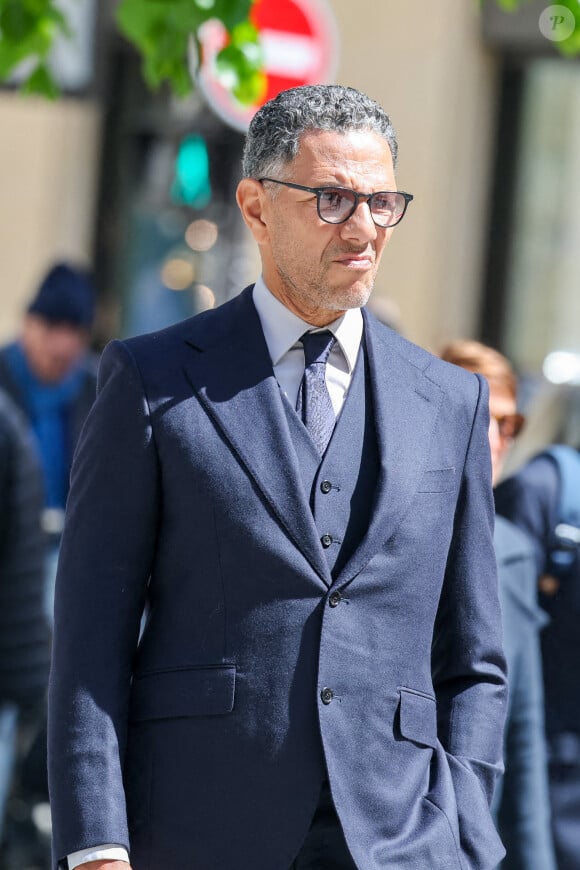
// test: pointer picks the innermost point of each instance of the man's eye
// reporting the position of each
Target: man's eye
(384, 203)
(332, 199)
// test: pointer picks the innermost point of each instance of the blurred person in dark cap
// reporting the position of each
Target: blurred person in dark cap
(51, 376)
(521, 801)
(24, 641)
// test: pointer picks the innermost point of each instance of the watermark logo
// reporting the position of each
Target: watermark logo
(557, 23)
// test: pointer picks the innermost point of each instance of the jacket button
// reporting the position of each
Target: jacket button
(325, 486)
(335, 599)
(326, 541)
(326, 695)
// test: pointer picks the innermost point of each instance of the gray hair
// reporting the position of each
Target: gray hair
(273, 138)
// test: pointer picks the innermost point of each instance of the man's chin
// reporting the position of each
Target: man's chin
(355, 297)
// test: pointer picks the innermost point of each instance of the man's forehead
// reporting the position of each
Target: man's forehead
(349, 150)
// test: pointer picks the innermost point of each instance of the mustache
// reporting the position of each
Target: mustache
(352, 249)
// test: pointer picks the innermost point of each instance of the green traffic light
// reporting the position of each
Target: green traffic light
(191, 185)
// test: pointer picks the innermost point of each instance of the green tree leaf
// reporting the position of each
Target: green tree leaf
(509, 5)
(239, 65)
(161, 31)
(42, 83)
(17, 22)
(28, 29)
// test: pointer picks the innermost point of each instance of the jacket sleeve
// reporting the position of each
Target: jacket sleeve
(468, 663)
(105, 563)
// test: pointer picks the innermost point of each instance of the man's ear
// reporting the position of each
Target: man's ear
(253, 202)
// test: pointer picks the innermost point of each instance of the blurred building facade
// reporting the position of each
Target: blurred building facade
(488, 118)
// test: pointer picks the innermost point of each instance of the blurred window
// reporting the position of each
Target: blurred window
(542, 306)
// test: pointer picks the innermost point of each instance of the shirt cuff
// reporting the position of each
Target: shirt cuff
(108, 852)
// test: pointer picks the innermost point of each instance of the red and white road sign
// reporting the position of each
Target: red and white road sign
(300, 43)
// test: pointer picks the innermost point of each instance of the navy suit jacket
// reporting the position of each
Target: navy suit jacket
(205, 744)
(521, 801)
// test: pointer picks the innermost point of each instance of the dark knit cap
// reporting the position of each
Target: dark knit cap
(66, 295)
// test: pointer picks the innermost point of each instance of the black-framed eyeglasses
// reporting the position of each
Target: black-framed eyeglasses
(509, 425)
(335, 205)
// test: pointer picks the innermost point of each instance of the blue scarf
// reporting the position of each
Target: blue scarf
(49, 408)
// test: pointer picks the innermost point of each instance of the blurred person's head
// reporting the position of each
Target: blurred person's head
(57, 324)
(312, 158)
(504, 420)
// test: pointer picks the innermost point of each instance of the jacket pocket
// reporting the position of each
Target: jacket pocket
(440, 480)
(418, 717)
(183, 692)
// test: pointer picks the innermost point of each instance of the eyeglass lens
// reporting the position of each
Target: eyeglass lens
(510, 425)
(336, 205)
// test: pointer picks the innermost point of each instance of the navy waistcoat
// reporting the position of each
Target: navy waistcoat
(341, 486)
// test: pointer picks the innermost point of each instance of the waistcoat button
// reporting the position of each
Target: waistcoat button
(326, 541)
(326, 695)
(335, 599)
(325, 486)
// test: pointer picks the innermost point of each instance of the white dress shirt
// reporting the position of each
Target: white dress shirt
(282, 330)
(108, 852)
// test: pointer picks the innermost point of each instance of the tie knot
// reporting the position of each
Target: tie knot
(317, 346)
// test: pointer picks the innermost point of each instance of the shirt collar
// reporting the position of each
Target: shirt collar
(282, 328)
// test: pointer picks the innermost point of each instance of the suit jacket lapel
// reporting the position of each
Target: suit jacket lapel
(406, 405)
(231, 371)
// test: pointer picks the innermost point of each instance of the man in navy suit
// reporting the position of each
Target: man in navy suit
(302, 498)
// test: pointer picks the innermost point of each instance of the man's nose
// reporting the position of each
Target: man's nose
(360, 224)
